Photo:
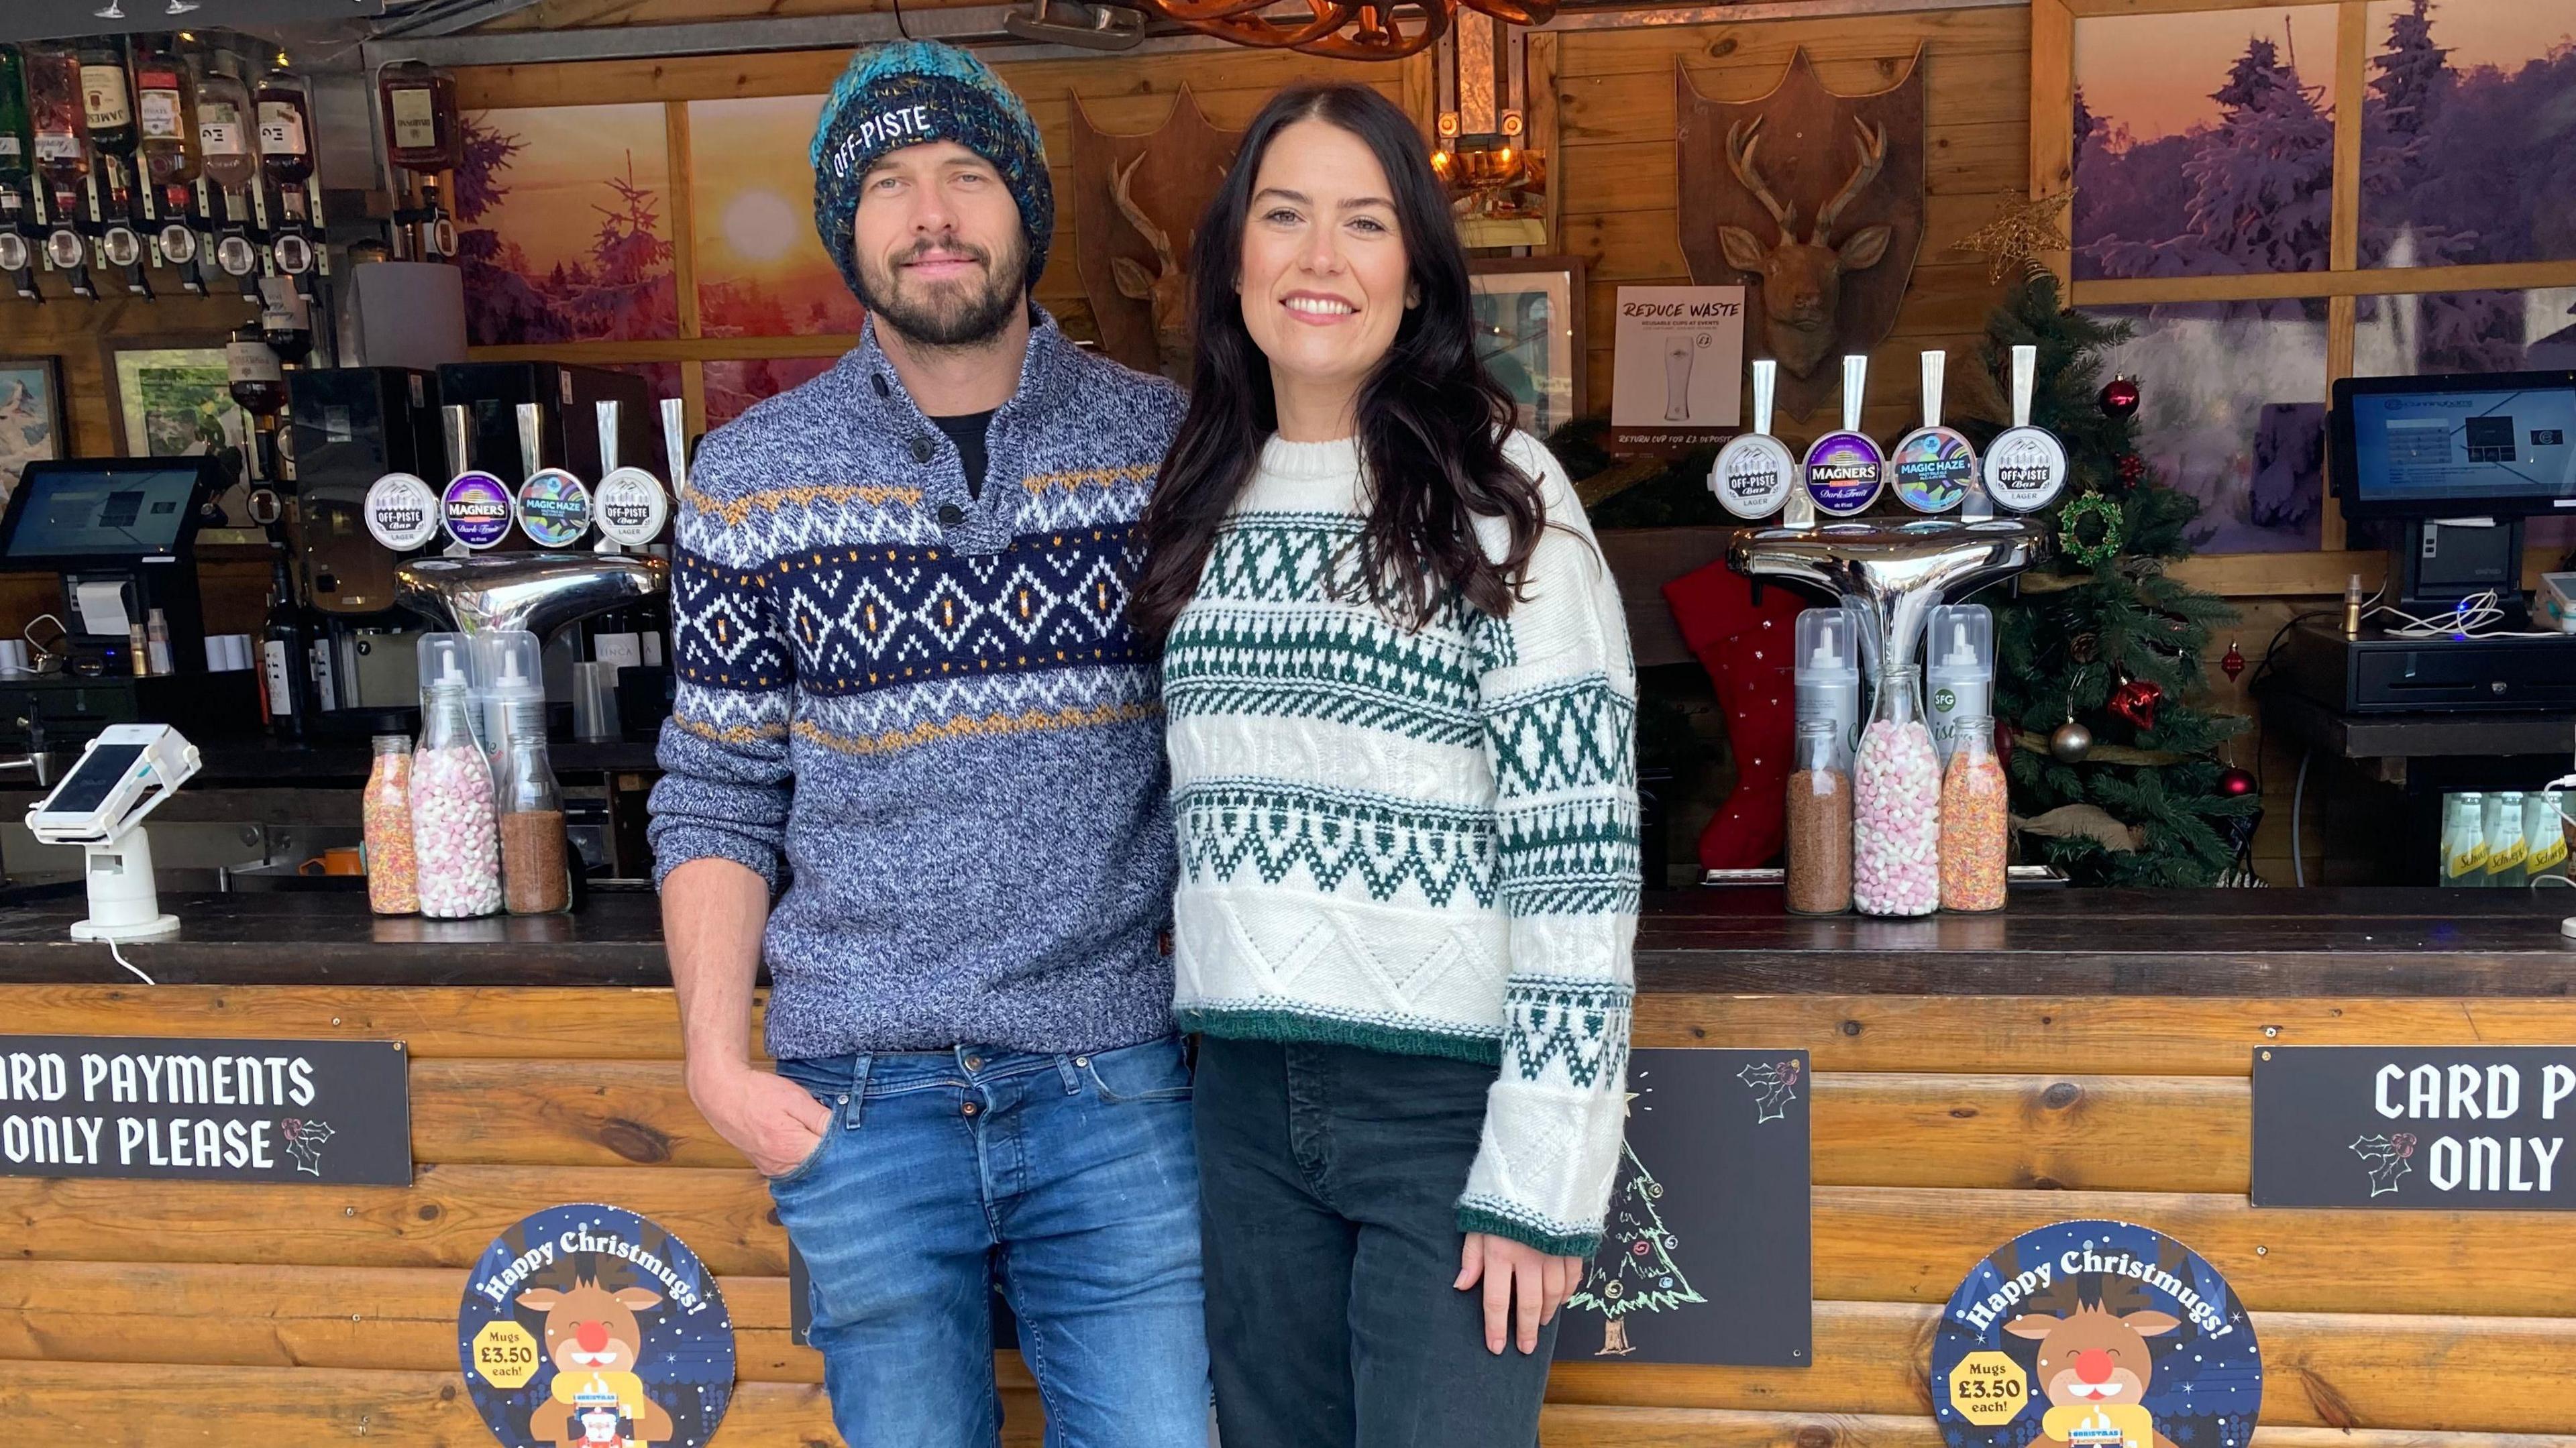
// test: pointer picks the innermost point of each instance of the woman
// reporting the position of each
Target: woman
(1401, 709)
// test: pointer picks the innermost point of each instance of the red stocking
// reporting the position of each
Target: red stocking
(1746, 648)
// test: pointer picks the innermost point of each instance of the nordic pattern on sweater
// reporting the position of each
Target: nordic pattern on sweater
(919, 714)
(1421, 841)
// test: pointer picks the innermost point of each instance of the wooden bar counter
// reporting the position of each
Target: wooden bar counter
(2086, 1054)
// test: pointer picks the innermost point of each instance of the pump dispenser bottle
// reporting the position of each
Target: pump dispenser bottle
(1961, 648)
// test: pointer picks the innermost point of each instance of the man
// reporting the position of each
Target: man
(916, 765)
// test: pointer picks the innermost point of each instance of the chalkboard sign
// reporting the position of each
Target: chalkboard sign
(1706, 1256)
(323, 1112)
(2404, 1128)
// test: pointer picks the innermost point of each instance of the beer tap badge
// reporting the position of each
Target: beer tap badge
(1753, 475)
(2026, 468)
(402, 512)
(632, 507)
(1932, 466)
(2095, 1334)
(1844, 472)
(476, 509)
(554, 508)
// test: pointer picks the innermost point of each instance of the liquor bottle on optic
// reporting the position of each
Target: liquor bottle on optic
(17, 173)
(60, 125)
(423, 139)
(165, 115)
(228, 159)
(107, 105)
(286, 159)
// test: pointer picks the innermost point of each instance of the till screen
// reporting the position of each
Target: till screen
(2427, 447)
(127, 511)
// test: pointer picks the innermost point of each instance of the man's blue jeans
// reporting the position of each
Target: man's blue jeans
(1068, 1181)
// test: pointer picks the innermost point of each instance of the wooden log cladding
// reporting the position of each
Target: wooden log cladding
(1891, 1129)
(2325, 1370)
(98, 1403)
(2085, 1036)
(1872, 1243)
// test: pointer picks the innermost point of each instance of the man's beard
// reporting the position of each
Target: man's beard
(951, 314)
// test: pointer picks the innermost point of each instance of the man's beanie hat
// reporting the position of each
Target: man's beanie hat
(906, 93)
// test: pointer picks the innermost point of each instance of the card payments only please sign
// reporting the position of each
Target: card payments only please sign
(2400, 1128)
(323, 1112)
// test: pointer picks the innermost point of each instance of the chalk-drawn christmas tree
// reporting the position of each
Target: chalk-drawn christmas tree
(1634, 1271)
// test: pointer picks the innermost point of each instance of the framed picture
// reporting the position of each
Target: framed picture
(31, 416)
(174, 399)
(1529, 317)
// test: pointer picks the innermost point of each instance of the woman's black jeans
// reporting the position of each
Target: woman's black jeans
(1329, 1181)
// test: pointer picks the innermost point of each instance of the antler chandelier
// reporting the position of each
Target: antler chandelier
(1344, 29)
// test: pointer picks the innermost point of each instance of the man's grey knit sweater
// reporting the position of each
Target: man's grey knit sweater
(919, 713)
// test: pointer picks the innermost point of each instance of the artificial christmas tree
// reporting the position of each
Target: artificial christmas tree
(1634, 1271)
(2105, 640)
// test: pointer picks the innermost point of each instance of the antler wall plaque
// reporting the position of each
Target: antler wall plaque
(1133, 218)
(1814, 200)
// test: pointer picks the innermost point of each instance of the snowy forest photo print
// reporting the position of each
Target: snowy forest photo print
(2219, 161)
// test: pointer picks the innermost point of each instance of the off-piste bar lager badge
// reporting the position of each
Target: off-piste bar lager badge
(1844, 470)
(1755, 473)
(2025, 466)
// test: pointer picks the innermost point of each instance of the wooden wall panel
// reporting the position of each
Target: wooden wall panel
(1942, 1125)
(1620, 190)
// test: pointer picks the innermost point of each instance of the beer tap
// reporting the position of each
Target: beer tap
(629, 501)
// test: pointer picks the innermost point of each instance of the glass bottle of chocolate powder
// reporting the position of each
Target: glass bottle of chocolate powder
(1820, 822)
(534, 875)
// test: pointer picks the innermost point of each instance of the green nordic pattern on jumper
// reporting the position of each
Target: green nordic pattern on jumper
(1421, 841)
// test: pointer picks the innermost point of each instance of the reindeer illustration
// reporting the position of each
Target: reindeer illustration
(1166, 289)
(593, 1340)
(2094, 1363)
(1802, 281)
(2386, 1157)
(1777, 1081)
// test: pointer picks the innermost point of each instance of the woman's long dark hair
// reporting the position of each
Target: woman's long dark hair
(1431, 421)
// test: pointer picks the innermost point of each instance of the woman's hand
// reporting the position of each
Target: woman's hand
(1523, 1286)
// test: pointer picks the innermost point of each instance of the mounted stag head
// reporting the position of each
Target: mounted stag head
(1802, 281)
(1166, 289)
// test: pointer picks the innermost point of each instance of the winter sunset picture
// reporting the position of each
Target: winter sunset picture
(2218, 161)
(564, 226)
(761, 272)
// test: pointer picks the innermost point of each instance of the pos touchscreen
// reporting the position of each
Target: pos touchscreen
(2497, 444)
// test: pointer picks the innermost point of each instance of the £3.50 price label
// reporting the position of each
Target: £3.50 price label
(1988, 1388)
(505, 1354)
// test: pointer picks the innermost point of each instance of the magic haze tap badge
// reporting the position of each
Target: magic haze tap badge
(554, 508)
(1931, 469)
(1844, 472)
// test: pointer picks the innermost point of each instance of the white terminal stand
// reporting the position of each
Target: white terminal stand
(124, 774)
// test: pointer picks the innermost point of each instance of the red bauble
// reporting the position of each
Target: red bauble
(2120, 397)
(2235, 783)
(2132, 468)
(2234, 663)
(2136, 702)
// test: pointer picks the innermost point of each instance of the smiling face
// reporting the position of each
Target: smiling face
(941, 255)
(1324, 276)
